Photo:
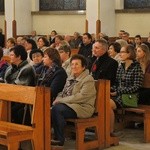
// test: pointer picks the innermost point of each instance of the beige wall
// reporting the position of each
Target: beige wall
(24, 20)
(107, 17)
(63, 24)
(134, 23)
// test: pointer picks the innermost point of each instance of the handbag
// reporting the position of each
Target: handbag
(130, 100)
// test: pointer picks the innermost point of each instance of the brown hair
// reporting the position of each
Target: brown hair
(12, 40)
(146, 50)
(59, 37)
(66, 49)
(80, 57)
(53, 55)
(131, 50)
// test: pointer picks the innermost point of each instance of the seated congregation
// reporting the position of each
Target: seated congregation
(49, 62)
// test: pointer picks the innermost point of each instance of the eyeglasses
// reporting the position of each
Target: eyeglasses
(61, 51)
(123, 52)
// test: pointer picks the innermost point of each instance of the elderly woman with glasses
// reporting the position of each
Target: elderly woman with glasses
(76, 100)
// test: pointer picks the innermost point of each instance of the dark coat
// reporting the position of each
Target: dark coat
(105, 68)
(86, 51)
(75, 42)
(54, 77)
(51, 40)
(23, 74)
(2, 40)
(38, 68)
(3, 67)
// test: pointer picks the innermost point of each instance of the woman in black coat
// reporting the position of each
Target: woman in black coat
(52, 74)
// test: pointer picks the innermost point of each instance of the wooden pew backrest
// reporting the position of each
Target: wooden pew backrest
(38, 97)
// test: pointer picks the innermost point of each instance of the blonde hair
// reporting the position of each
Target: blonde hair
(146, 50)
(122, 42)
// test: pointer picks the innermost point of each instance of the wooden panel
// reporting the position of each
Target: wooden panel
(86, 25)
(98, 27)
(15, 92)
(14, 29)
(12, 133)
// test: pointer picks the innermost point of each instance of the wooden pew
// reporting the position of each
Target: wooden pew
(140, 114)
(99, 122)
(11, 134)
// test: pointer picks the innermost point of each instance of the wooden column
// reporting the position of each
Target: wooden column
(98, 28)
(14, 28)
(86, 25)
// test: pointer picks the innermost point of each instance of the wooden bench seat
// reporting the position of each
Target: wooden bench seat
(10, 129)
(141, 114)
(99, 123)
(11, 134)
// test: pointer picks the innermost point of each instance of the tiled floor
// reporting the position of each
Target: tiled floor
(131, 139)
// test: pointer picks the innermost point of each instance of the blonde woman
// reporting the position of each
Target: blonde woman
(143, 57)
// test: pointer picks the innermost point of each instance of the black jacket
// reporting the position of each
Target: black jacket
(86, 51)
(105, 68)
(2, 40)
(54, 77)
